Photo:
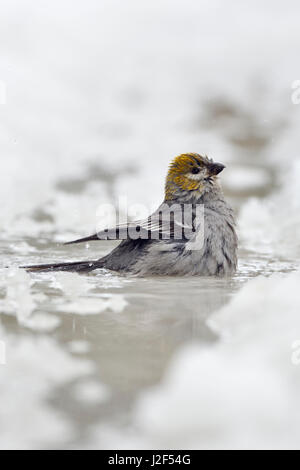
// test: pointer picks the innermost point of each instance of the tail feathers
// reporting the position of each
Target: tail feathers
(77, 266)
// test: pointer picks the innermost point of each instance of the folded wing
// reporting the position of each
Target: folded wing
(167, 222)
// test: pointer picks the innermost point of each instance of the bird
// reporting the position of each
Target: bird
(192, 233)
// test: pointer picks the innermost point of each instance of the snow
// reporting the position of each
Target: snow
(242, 392)
(99, 96)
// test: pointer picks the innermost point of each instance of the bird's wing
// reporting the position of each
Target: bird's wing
(119, 232)
(167, 222)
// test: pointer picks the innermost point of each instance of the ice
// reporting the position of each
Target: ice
(22, 248)
(27, 380)
(19, 300)
(71, 284)
(242, 392)
(88, 306)
(273, 225)
(75, 290)
(43, 322)
(22, 302)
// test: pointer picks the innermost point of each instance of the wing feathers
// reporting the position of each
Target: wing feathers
(166, 225)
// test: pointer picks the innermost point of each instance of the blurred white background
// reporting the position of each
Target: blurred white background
(96, 97)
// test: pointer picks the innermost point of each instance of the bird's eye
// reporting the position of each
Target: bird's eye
(195, 171)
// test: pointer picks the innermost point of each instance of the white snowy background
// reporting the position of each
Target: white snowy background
(96, 97)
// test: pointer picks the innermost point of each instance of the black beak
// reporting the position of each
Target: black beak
(215, 168)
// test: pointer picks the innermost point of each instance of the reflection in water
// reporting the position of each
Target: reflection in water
(127, 330)
(131, 349)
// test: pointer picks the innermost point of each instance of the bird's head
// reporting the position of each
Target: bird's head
(191, 173)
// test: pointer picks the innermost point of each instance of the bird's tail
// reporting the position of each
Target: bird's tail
(77, 266)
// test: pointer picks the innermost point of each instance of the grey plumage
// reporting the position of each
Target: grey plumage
(213, 253)
(172, 257)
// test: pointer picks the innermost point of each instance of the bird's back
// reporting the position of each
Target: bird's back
(211, 252)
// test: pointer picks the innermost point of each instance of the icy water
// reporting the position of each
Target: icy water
(96, 342)
(93, 111)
